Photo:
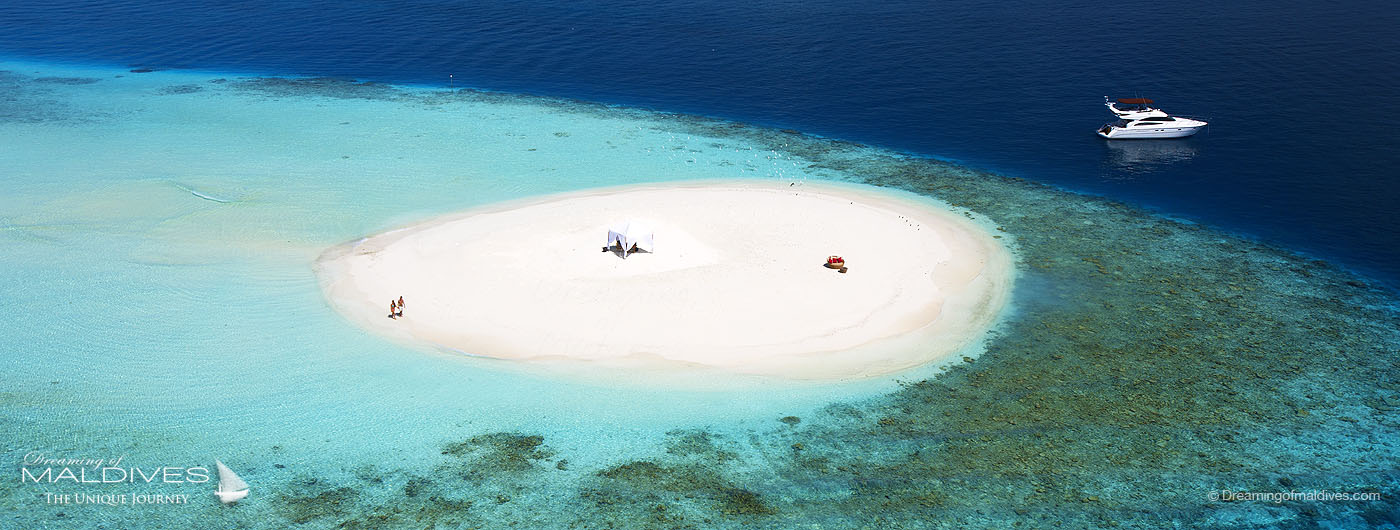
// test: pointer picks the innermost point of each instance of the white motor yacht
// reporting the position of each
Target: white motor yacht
(1139, 120)
(1133, 109)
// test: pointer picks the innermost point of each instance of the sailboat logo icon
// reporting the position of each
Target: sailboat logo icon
(231, 488)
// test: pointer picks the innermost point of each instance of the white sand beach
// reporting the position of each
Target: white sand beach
(737, 281)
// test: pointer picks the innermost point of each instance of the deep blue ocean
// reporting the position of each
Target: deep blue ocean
(1300, 94)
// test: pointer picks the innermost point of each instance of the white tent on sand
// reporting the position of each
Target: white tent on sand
(631, 233)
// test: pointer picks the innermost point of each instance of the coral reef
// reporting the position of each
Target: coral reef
(329, 87)
(25, 99)
(1149, 363)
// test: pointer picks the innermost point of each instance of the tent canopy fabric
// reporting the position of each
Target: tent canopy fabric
(630, 233)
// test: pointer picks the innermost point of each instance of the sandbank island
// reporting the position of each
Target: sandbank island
(737, 279)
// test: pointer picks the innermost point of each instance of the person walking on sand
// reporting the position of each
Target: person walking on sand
(401, 306)
(392, 310)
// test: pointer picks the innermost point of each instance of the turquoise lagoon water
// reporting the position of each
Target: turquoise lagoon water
(159, 231)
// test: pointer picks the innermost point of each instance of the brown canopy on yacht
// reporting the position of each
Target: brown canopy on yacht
(1135, 101)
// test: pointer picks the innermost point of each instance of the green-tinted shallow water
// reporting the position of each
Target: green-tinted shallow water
(159, 231)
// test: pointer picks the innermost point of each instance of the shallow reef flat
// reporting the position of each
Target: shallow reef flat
(1151, 362)
(1148, 362)
(1160, 362)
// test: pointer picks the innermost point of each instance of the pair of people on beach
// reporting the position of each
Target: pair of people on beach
(396, 308)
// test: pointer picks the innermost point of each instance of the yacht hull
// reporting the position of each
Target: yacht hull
(1118, 133)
